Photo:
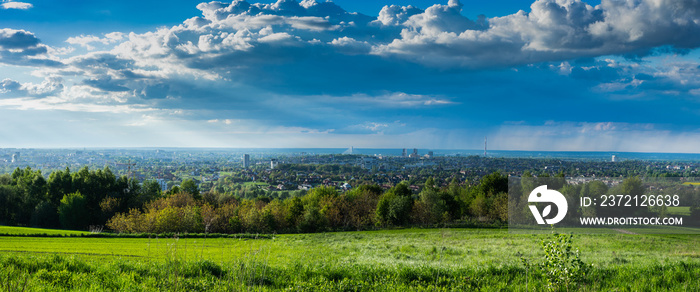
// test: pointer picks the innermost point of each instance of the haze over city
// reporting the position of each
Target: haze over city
(546, 76)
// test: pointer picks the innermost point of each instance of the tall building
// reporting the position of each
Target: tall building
(246, 161)
(15, 157)
(613, 158)
(273, 163)
(404, 153)
(485, 140)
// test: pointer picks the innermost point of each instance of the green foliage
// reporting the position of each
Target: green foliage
(562, 266)
(695, 213)
(73, 212)
(321, 209)
(393, 209)
(296, 209)
(190, 187)
(322, 192)
(493, 183)
(177, 213)
(45, 215)
(401, 190)
(149, 191)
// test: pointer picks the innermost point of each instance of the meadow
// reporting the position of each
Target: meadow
(387, 260)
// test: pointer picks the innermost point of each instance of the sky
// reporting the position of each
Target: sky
(548, 75)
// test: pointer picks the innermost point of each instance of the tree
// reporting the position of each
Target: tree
(434, 205)
(45, 215)
(295, 211)
(363, 201)
(493, 184)
(60, 183)
(695, 213)
(9, 204)
(430, 184)
(393, 209)
(73, 212)
(401, 190)
(190, 187)
(149, 191)
(400, 210)
(631, 187)
(480, 205)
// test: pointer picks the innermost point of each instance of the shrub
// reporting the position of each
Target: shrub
(562, 267)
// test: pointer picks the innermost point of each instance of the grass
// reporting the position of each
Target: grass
(29, 231)
(387, 260)
(679, 211)
(252, 183)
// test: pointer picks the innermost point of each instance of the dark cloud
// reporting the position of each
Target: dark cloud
(106, 84)
(19, 47)
(155, 91)
(17, 39)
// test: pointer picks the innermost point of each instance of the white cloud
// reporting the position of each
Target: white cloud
(50, 86)
(586, 136)
(224, 121)
(16, 5)
(395, 15)
(351, 46)
(230, 41)
(87, 40)
(400, 99)
(553, 30)
(379, 128)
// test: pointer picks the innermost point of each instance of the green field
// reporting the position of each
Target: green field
(679, 211)
(252, 183)
(406, 259)
(34, 231)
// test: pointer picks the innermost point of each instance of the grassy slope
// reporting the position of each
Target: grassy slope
(434, 247)
(29, 230)
(477, 258)
(679, 211)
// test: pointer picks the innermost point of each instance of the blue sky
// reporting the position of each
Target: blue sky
(544, 75)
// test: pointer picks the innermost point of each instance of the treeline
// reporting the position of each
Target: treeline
(76, 200)
(72, 200)
(322, 209)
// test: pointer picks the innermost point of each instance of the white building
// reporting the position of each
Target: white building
(162, 183)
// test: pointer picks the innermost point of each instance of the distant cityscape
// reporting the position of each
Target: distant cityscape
(278, 169)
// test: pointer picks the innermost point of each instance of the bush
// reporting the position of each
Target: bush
(562, 267)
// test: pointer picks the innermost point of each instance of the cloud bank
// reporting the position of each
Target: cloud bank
(301, 65)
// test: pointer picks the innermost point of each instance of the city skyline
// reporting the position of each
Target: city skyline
(541, 76)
